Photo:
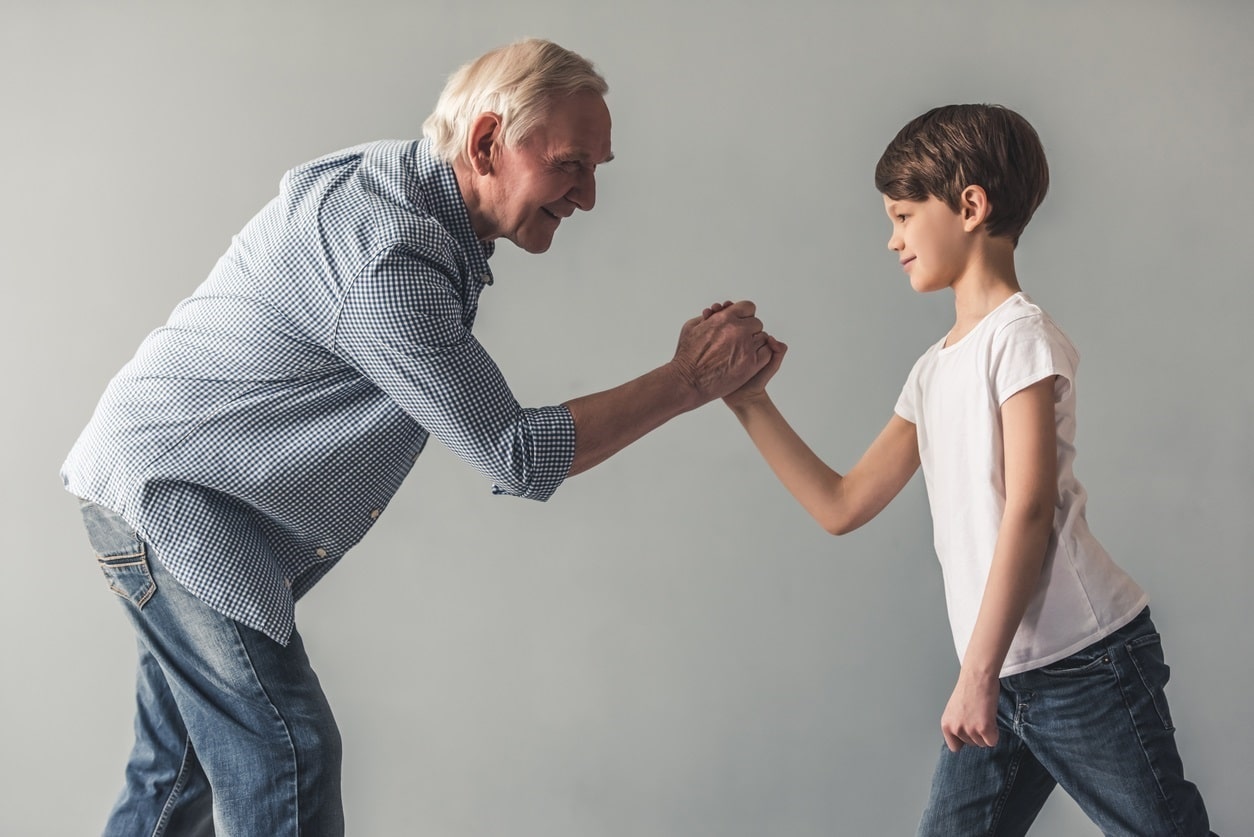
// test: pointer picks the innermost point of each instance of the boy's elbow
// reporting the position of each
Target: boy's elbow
(838, 524)
(842, 529)
(1035, 516)
(838, 515)
(1038, 511)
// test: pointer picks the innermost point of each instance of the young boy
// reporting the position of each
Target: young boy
(1062, 672)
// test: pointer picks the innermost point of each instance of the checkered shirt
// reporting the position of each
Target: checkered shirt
(260, 433)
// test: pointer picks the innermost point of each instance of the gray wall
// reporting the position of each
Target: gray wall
(669, 646)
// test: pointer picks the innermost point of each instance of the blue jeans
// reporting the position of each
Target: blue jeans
(1097, 724)
(233, 734)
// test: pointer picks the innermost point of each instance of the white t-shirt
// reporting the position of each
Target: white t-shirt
(953, 396)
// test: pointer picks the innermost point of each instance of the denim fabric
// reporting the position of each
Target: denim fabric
(233, 735)
(1096, 723)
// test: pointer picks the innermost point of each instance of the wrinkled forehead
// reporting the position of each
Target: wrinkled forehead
(576, 126)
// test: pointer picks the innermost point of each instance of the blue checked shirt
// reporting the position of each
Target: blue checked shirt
(260, 433)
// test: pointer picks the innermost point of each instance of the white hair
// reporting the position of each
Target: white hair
(515, 82)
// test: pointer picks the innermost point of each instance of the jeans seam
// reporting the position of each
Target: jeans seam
(286, 729)
(1012, 770)
(180, 782)
(1162, 798)
(1131, 648)
(1012, 773)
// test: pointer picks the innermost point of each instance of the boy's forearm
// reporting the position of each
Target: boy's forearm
(840, 503)
(1012, 580)
(814, 485)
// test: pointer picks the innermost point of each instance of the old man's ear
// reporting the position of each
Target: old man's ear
(485, 135)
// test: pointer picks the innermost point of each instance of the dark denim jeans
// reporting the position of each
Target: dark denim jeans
(233, 734)
(1097, 724)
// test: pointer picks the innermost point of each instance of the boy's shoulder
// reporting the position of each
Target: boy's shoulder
(1021, 314)
(1018, 307)
(1026, 341)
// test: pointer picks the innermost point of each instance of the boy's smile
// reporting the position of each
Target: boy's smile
(930, 241)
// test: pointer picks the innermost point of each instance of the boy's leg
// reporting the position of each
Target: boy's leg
(254, 711)
(1099, 722)
(987, 791)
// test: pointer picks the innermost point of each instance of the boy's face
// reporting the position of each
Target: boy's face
(930, 240)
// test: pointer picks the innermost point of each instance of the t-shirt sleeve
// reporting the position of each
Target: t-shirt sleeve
(908, 402)
(1028, 350)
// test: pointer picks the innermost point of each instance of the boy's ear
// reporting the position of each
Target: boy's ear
(974, 206)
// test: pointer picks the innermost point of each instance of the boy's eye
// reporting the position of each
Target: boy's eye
(901, 218)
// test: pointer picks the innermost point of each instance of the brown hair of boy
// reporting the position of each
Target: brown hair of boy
(949, 148)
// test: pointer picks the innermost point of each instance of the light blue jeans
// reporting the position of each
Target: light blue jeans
(233, 734)
(1097, 724)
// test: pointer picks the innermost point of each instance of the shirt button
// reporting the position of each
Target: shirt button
(485, 278)
(374, 515)
(320, 552)
(288, 582)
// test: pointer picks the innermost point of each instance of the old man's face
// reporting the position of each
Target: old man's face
(550, 174)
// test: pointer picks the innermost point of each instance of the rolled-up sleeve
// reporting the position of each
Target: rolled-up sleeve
(401, 326)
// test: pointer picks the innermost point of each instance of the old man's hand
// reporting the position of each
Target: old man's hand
(720, 351)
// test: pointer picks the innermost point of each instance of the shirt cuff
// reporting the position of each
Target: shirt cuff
(552, 434)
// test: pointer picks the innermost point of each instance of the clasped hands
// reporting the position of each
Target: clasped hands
(725, 353)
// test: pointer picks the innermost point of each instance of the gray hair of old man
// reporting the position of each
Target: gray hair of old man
(515, 82)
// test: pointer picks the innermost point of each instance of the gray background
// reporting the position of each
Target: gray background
(669, 646)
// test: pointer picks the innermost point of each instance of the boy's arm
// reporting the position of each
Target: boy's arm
(839, 503)
(1031, 467)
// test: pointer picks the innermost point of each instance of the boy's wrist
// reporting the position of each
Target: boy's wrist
(743, 402)
(979, 672)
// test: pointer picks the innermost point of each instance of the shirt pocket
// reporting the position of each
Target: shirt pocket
(120, 553)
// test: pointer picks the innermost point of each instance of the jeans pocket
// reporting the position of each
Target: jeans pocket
(1146, 653)
(1091, 660)
(120, 554)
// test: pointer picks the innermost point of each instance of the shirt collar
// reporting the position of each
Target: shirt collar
(442, 196)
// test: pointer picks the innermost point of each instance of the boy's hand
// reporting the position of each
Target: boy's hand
(755, 387)
(971, 715)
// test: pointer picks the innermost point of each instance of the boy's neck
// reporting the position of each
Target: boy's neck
(988, 281)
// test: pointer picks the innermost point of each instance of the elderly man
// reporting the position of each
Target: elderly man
(260, 433)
